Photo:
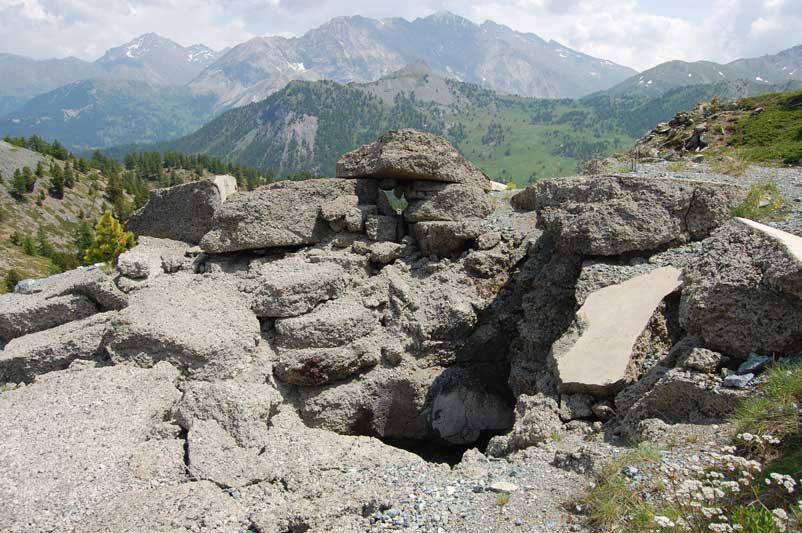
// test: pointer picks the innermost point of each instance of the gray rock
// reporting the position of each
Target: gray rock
(182, 213)
(525, 200)
(152, 257)
(502, 486)
(343, 213)
(382, 228)
(408, 154)
(738, 381)
(319, 366)
(739, 295)
(289, 287)
(603, 410)
(754, 364)
(451, 202)
(701, 360)
(331, 324)
(26, 357)
(680, 396)
(536, 419)
(22, 314)
(576, 406)
(445, 238)
(613, 215)
(75, 440)
(242, 409)
(285, 213)
(202, 326)
(383, 253)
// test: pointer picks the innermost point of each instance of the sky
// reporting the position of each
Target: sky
(636, 33)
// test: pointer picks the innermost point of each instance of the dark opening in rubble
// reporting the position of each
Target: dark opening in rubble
(438, 451)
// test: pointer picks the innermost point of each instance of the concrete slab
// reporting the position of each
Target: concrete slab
(594, 355)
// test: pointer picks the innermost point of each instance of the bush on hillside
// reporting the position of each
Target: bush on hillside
(764, 203)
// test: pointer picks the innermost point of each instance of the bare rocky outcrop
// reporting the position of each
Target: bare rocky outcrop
(153, 257)
(287, 213)
(612, 215)
(411, 155)
(191, 207)
(742, 294)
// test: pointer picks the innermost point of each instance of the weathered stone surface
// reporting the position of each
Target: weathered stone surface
(463, 407)
(596, 354)
(318, 366)
(22, 314)
(382, 228)
(576, 406)
(741, 294)
(679, 396)
(525, 200)
(332, 324)
(285, 213)
(26, 357)
(383, 253)
(700, 360)
(451, 202)
(182, 213)
(289, 288)
(152, 257)
(613, 215)
(411, 155)
(445, 238)
(91, 282)
(536, 419)
(76, 439)
(192, 506)
(202, 326)
(343, 213)
(243, 409)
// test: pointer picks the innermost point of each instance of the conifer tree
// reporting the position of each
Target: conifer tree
(19, 186)
(83, 237)
(109, 242)
(57, 186)
(69, 176)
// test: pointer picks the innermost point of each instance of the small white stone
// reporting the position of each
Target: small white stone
(503, 486)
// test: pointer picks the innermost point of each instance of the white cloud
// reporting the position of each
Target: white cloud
(638, 33)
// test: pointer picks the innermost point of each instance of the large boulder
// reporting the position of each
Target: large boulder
(596, 355)
(743, 294)
(182, 213)
(76, 439)
(408, 154)
(152, 257)
(331, 324)
(445, 238)
(202, 326)
(285, 213)
(613, 215)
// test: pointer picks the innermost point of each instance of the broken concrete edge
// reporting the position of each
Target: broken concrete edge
(790, 242)
(606, 329)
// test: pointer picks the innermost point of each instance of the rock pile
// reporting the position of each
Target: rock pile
(242, 366)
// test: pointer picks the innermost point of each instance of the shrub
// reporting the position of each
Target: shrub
(764, 203)
(511, 186)
(11, 279)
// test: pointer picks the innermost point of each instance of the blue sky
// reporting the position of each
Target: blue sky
(637, 33)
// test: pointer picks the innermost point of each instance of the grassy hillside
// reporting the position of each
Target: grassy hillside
(770, 129)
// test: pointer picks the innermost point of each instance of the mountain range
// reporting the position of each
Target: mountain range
(411, 73)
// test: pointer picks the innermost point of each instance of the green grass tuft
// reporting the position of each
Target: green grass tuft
(764, 203)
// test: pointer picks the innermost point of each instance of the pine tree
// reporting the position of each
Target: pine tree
(114, 189)
(83, 237)
(11, 279)
(69, 176)
(30, 179)
(43, 245)
(40, 169)
(28, 246)
(19, 186)
(109, 242)
(57, 186)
